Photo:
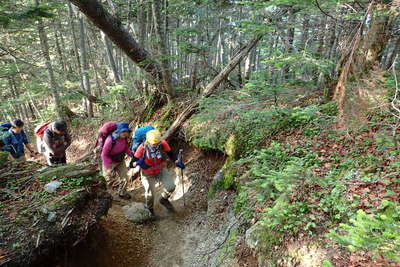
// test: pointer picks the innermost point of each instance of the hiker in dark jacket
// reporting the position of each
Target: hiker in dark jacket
(56, 140)
(15, 141)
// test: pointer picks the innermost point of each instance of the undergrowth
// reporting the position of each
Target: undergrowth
(299, 177)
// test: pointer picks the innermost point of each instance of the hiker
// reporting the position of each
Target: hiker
(115, 147)
(15, 140)
(55, 142)
(138, 139)
(151, 158)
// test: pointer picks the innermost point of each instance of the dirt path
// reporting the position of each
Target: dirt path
(173, 240)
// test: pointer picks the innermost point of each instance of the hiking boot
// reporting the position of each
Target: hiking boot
(153, 217)
(125, 196)
(165, 202)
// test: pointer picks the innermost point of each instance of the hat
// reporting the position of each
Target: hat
(60, 126)
(17, 124)
(122, 127)
(153, 137)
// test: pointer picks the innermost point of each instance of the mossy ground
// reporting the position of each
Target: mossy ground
(26, 205)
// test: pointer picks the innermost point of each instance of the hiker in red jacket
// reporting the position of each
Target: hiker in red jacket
(151, 157)
(113, 153)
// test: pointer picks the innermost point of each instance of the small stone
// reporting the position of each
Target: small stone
(250, 239)
(136, 212)
(219, 175)
(52, 216)
(52, 186)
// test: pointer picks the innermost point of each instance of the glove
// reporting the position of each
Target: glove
(142, 164)
(180, 164)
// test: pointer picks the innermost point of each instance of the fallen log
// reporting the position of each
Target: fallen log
(212, 86)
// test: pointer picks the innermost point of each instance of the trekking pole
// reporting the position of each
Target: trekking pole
(180, 159)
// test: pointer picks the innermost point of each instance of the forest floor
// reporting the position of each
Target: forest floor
(189, 237)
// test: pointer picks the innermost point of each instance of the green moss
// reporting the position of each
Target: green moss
(228, 180)
(165, 121)
(72, 198)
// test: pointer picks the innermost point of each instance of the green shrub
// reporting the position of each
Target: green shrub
(378, 233)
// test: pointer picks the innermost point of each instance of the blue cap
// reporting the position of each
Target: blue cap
(122, 127)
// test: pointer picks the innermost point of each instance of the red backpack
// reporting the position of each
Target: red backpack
(105, 130)
(40, 129)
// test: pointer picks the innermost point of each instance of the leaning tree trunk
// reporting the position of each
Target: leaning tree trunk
(114, 29)
(364, 52)
(210, 88)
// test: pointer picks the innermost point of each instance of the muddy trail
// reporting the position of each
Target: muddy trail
(184, 238)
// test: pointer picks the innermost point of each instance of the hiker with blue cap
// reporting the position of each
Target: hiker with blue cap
(115, 147)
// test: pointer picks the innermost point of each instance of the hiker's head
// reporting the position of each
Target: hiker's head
(17, 125)
(60, 127)
(153, 137)
(123, 130)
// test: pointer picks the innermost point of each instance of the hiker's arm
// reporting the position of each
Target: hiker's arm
(105, 153)
(172, 156)
(29, 147)
(24, 138)
(167, 149)
(26, 143)
(139, 153)
(128, 150)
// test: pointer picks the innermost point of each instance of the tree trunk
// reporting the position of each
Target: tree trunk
(85, 67)
(290, 40)
(113, 28)
(75, 43)
(45, 52)
(162, 49)
(110, 56)
(58, 46)
(393, 50)
(16, 105)
(363, 54)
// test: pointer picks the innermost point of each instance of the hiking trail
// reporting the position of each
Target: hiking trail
(185, 238)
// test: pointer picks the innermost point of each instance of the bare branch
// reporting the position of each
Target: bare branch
(325, 13)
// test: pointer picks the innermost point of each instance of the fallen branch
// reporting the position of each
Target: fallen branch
(93, 99)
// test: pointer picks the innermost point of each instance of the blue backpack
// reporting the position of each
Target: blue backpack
(5, 127)
(140, 136)
(4, 133)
